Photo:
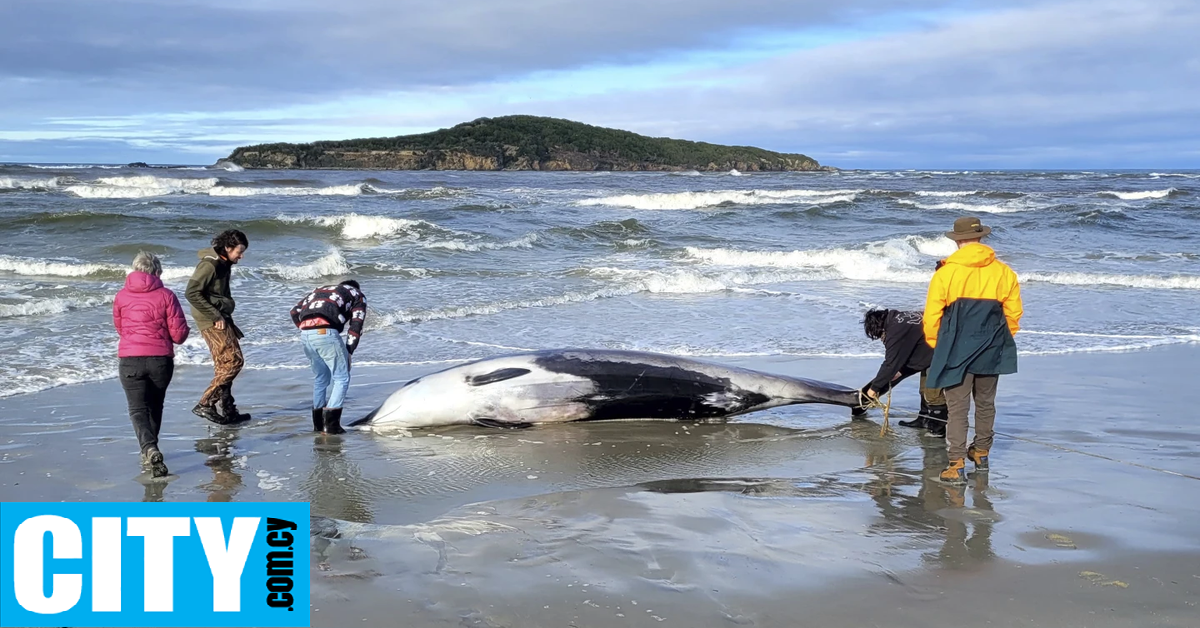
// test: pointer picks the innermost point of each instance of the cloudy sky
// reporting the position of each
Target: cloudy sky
(851, 83)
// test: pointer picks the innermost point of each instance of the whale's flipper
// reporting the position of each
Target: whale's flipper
(487, 422)
(496, 376)
(366, 419)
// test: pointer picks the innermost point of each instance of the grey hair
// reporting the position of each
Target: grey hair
(147, 262)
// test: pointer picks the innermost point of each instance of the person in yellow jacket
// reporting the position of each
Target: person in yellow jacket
(972, 311)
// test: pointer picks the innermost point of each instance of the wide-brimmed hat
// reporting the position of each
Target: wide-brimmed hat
(968, 228)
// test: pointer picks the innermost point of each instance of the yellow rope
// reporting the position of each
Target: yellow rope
(866, 401)
(883, 429)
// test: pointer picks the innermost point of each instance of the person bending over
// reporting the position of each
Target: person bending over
(905, 353)
(321, 316)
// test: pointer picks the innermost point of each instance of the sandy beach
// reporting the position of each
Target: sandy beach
(789, 517)
(796, 188)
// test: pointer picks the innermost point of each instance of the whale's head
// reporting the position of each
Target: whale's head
(506, 390)
(446, 397)
(402, 408)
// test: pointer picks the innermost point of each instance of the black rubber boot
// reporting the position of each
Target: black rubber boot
(333, 421)
(209, 413)
(921, 422)
(936, 423)
(232, 415)
(318, 419)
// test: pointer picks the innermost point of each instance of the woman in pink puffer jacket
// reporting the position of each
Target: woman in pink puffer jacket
(150, 321)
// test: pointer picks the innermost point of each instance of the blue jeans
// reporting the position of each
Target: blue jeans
(330, 362)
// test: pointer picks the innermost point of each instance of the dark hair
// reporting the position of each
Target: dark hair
(874, 323)
(351, 283)
(229, 239)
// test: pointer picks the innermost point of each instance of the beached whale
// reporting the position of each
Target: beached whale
(558, 386)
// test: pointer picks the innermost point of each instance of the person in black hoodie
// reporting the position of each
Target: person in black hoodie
(321, 316)
(906, 353)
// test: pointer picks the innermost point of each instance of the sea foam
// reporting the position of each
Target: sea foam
(701, 200)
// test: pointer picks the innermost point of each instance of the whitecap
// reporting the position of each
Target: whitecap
(700, 200)
(1152, 282)
(1140, 195)
(361, 227)
(332, 264)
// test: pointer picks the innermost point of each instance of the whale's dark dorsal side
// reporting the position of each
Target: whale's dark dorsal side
(625, 388)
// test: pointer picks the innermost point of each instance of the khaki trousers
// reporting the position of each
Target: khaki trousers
(932, 396)
(981, 388)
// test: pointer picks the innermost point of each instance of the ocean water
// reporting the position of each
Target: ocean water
(463, 265)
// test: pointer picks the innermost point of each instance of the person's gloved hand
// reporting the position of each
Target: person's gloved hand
(939, 264)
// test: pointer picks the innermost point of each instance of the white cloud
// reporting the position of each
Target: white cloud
(1090, 84)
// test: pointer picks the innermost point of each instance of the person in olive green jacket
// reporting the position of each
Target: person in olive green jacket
(212, 309)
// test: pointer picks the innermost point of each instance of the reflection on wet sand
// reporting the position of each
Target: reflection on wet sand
(969, 528)
(413, 477)
(334, 483)
(219, 448)
(153, 491)
(936, 509)
(693, 520)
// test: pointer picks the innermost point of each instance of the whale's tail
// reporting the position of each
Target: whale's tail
(816, 391)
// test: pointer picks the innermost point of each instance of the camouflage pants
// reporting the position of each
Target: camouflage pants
(227, 363)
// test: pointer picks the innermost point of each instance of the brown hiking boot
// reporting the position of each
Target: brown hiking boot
(955, 472)
(158, 468)
(979, 457)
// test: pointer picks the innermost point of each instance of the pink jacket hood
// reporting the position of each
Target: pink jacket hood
(137, 281)
(148, 318)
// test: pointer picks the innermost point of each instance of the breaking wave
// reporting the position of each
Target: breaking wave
(701, 200)
(42, 307)
(906, 260)
(359, 227)
(897, 260)
(57, 268)
(524, 242)
(8, 184)
(1139, 196)
(1007, 207)
(145, 186)
(330, 265)
(1152, 282)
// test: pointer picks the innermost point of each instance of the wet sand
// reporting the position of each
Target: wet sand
(789, 517)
